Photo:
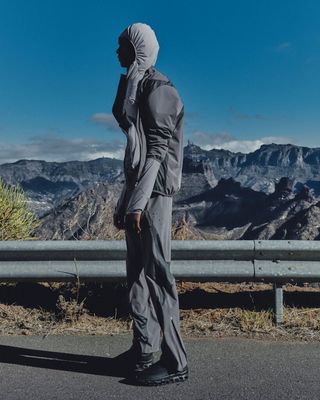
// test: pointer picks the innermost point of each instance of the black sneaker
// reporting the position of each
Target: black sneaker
(132, 361)
(160, 374)
(145, 360)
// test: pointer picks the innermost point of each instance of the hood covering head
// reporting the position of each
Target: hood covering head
(146, 46)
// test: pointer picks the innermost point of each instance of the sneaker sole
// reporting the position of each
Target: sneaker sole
(174, 378)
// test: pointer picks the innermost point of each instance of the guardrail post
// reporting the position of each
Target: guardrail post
(278, 302)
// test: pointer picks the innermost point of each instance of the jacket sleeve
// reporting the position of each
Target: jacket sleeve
(162, 109)
(119, 208)
(163, 106)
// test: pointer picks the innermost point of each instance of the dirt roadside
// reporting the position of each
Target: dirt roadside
(206, 309)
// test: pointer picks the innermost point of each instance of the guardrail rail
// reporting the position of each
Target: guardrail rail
(270, 261)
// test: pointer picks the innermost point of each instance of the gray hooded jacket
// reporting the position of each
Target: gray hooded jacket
(154, 128)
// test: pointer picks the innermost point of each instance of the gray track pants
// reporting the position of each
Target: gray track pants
(152, 291)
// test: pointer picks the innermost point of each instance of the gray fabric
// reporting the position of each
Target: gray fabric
(143, 190)
(160, 118)
(146, 47)
(133, 145)
(119, 208)
(152, 291)
(159, 131)
(145, 43)
(162, 109)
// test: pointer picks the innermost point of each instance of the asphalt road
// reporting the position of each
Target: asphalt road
(80, 367)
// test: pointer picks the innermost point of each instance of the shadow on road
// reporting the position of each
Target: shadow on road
(117, 366)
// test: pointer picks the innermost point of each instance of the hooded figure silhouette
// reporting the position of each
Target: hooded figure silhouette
(146, 47)
(150, 112)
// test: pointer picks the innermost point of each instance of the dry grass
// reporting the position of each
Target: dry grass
(18, 320)
(72, 314)
(206, 309)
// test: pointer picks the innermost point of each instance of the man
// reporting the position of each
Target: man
(150, 113)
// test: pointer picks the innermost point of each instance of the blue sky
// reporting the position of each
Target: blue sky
(248, 73)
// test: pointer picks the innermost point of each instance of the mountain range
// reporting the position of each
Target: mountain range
(271, 193)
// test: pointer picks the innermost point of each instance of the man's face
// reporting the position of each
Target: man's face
(126, 52)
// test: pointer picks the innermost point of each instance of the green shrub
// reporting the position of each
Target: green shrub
(16, 220)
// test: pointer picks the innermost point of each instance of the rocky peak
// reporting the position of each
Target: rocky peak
(284, 186)
(283, 189)
(192, 149)
(279, 155)
(304, 194)
(228, 185)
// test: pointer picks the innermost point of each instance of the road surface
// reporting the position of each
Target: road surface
(80, 367)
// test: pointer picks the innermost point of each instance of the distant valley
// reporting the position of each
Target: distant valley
(271, 193)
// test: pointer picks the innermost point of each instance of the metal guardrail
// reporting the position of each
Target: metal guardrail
(270, 261)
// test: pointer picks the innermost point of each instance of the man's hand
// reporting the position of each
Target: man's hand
(132, 222)
(118, 221)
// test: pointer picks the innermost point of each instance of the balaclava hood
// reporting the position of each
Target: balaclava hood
(145, 43)
(146, 49)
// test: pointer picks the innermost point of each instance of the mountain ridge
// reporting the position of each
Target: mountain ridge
(259, 169)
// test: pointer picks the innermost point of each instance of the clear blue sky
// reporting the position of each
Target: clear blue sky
(248, 73)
